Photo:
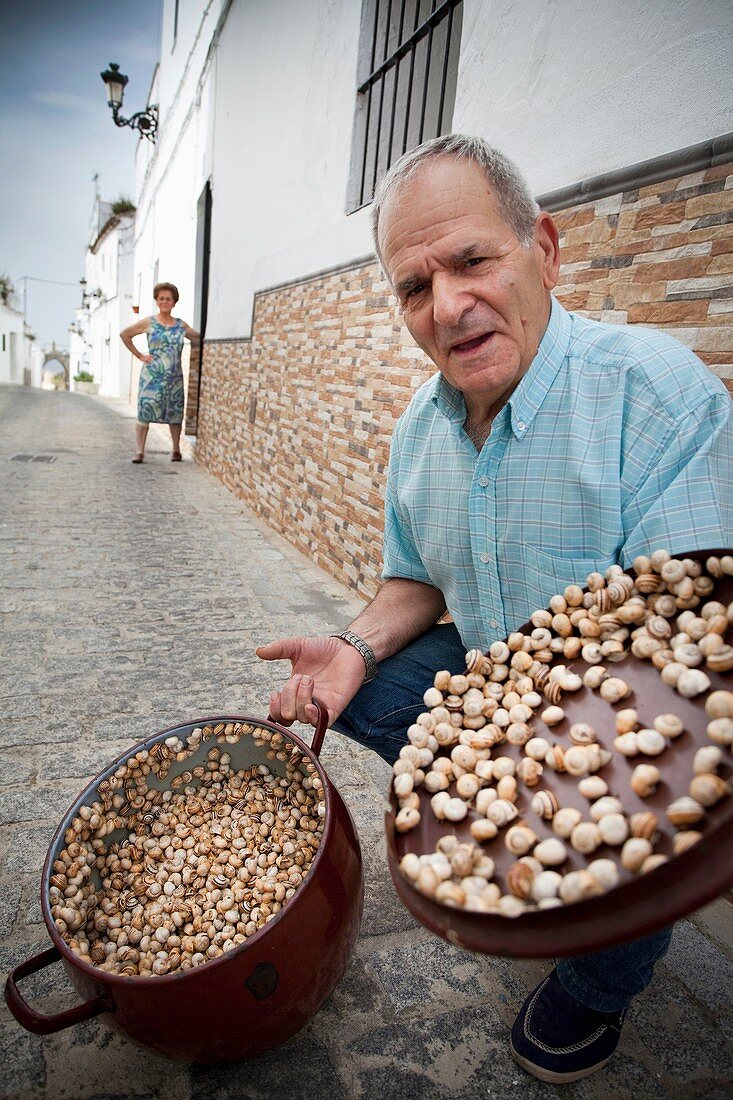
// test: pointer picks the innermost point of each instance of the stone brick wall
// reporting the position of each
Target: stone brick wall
(297, 420)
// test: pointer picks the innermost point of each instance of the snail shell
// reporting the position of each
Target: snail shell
(708, 788)
(546, 884)
(593, 787)
(652, 862)
(645, 824)
(651, 742)
(720, 730)
(433, 697)
(627, 721)
(634, 852)
(585, 837)
(555, 758)
(578, 885)
(501, 812)
(519, 840)
(551, 852)
(537, 748)
(581, 733)
(545, 805)
(529, 771)
(613, 828)
(552, 716)
(669, 725)
(685, 840)
(692, 682)
(594, 677)
(706, 759)
(575, 761)
(685, 811)
(627, 744)
(605, 872)
(519, 878)
(455, 809)
(565, 820)
(406, 819)
(614, 689)
(605, 805)
(482, 829)
(644, 780)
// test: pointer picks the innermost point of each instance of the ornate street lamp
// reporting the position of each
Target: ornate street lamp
(145, 122)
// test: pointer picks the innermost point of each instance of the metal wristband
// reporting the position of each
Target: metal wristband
(370, 661)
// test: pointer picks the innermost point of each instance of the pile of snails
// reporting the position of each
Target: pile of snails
(202, 865)
(470, 756)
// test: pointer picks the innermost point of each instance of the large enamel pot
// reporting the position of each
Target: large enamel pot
(245, 1002)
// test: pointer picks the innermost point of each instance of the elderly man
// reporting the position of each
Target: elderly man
(547, 446)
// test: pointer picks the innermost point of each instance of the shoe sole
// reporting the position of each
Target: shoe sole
(551, 1076)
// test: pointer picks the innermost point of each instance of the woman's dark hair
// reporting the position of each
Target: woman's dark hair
(165, 286)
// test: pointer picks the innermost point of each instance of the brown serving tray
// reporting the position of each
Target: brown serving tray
(640, 904)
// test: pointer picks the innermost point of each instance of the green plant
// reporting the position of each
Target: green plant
(123, 205)
(6, 289)
(83, 376)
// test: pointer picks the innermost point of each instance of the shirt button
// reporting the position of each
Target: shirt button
(483, 482)
(493, 623)
(484, 558)
(521, 425)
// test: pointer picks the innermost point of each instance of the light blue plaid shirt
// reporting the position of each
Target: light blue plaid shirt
(617, 441)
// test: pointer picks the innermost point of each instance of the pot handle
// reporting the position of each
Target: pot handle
(321, 727)
(38, 1022)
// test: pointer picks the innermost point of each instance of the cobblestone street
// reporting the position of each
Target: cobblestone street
(132, 598)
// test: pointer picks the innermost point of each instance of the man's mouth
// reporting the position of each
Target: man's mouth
(464, 347)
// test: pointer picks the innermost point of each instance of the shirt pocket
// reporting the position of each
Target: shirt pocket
(540, 576)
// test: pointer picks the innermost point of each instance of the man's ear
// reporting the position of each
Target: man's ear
(547, 238)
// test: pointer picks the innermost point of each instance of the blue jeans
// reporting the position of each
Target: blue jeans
(378, 718)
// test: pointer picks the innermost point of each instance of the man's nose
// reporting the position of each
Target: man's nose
(451, 300)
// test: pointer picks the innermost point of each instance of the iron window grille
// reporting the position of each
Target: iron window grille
(407, 70)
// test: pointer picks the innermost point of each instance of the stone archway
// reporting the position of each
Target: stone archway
(60, 357)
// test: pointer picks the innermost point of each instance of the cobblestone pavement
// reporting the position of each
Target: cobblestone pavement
(131, 598)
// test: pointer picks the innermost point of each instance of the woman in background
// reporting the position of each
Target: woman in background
(160, 394)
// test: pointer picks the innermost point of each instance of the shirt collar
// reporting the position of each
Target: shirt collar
(527, 399)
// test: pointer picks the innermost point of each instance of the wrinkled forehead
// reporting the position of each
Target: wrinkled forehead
(440, 195)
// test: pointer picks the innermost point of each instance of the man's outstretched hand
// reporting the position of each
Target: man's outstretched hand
(327, 668)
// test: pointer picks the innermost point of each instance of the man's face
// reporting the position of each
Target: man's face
(474, 299)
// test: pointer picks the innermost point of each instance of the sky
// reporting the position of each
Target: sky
(56, 132)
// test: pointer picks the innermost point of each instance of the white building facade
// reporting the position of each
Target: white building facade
(276, 118)
(14, 343)
(107, 305)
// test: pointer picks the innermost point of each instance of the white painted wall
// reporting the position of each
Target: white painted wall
(568, 88)
(172, 173)
(96, 347)
(13, 351)
(282, 149)
(574, 88)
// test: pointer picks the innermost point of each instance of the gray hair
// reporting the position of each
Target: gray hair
(516, 204)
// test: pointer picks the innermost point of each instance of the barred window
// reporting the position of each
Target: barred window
(408, 62)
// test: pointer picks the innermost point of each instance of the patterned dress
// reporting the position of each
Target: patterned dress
(160, 396)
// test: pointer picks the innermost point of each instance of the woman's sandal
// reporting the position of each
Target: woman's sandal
(176, 457)
(138, 458)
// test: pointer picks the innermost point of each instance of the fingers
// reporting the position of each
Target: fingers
(294, 702)
(273, 651)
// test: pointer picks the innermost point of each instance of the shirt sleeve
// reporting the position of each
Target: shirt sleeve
(685, 500)
(401, 556)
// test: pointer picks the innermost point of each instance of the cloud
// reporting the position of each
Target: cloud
(64, 101)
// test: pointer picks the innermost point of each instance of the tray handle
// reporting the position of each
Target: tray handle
(38, 1022)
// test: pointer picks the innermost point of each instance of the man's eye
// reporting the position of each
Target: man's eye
(414, 291)
(475, 261)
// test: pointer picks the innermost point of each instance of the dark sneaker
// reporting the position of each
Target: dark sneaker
(558, 1039)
